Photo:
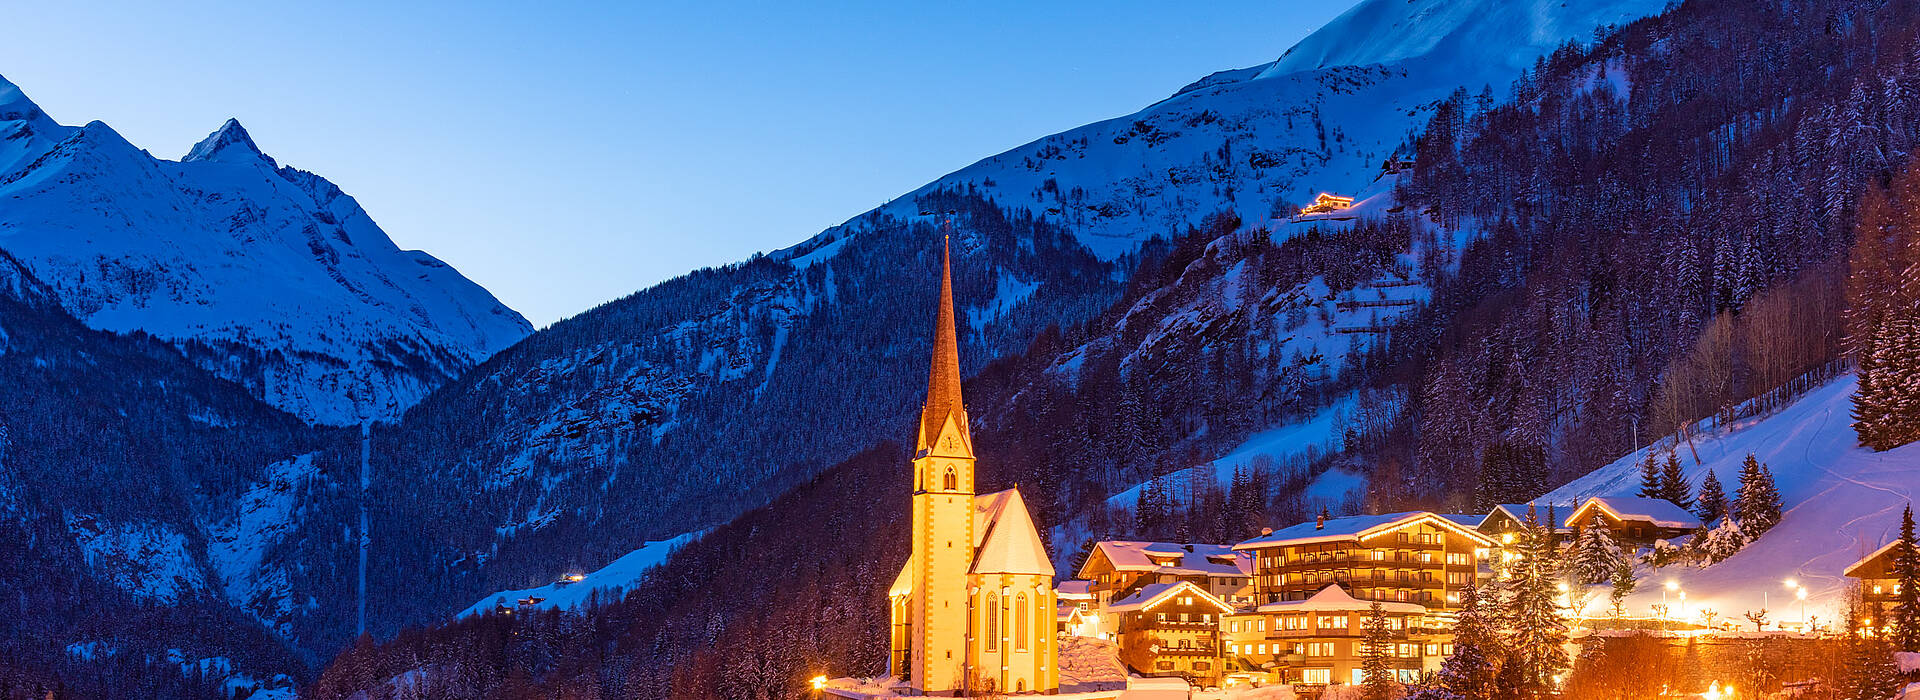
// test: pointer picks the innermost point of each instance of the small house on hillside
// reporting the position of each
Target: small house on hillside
(1326, 203)
(1634, 521)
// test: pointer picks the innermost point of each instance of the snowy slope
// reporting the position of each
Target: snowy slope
(609, 583)
(1321, 118)
(1840, 502)
(283, 281)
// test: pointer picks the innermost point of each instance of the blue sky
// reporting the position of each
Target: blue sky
(565, 154)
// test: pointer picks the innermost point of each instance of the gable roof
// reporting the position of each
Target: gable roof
(1005, 538)
(1333, 598)
(1659, 511)
(1190, 559)
(1359, 527)
(1884, 550)
(1152, 594)
(1518, 512)
(1073, 589)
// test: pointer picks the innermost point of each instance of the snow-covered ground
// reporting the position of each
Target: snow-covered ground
(610, 581)
(1316, 434)
(1840, 502)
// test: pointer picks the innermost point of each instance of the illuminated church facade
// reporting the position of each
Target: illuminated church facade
(973, 608)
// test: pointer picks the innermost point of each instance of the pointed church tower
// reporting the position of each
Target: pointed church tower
(942, 512)
(973, 607)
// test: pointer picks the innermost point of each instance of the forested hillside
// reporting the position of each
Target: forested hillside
(122, 467)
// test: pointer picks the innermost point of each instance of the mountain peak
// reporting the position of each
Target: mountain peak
(14, 105)
(230, 143)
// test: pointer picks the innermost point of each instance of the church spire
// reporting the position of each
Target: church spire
(943, 382)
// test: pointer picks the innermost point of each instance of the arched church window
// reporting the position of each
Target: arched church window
(993, 622)
(1020, 622)
(953, 480)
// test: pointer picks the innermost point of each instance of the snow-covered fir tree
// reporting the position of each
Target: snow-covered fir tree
(1595, 554)
(1883, 315)
(1378, 680)
(1757, 502)
(1905, 622)
(1469, 673)
(1721, 542)
(1623, 584)
(1712, 501)
(1535, 625)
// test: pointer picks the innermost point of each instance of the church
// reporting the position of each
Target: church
(973, 609)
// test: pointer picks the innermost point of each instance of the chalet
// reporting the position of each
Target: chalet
(1508, 518)
(1319, 641)
(1878, 585)
(1326, 203)
(1633, 521)
(1115, 568)
(1413, 557)
(1171, 630)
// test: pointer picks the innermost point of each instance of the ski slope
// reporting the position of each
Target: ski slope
(611, 581)
(1839, 502)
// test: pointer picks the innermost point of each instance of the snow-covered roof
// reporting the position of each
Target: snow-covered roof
(1074, 589)
(1151, 595)
(1174, 558)
(1333, 598)
(1868, 559)
(1659, 511)
(903, 583)
(1518, 511)
(1358, 527)
(1006, 539)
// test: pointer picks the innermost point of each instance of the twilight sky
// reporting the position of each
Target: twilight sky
(566, 154)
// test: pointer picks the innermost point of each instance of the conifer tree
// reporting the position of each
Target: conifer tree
(1536, 628)
(1374, 674)
(1649, 477)
(1905, 614)
(1715, 545)
(1757, 503)
(1469, 673)
(1870, 672)
(1623, 584)
(1595, 554)
(1673, 483)
(1712, 502)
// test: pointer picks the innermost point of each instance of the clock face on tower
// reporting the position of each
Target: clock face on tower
(950, 442)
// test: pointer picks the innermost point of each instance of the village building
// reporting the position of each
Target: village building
(1878, 584)
(1320, 641)
(1074, 614)
(1171, 629)
(1115, 568)
(1510, 518)
(973, 609)
(1326, 203)
(1413, 557)
(1633, 521)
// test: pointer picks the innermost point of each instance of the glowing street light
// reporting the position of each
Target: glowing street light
(819, 683)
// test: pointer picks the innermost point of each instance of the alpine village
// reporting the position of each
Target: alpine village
(1467, 350)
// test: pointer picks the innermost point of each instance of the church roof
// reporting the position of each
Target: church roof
(1333, 598)
(1006, 539)
(943, 380)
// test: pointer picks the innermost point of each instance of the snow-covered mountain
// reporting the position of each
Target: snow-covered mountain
(265, 274)
(1258, 140)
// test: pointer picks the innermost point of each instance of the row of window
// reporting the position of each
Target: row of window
(1327, 649)
(1021, 616)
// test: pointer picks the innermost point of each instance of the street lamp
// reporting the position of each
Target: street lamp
(1802, 595)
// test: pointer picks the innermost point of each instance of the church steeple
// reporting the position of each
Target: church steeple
(943, 381)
